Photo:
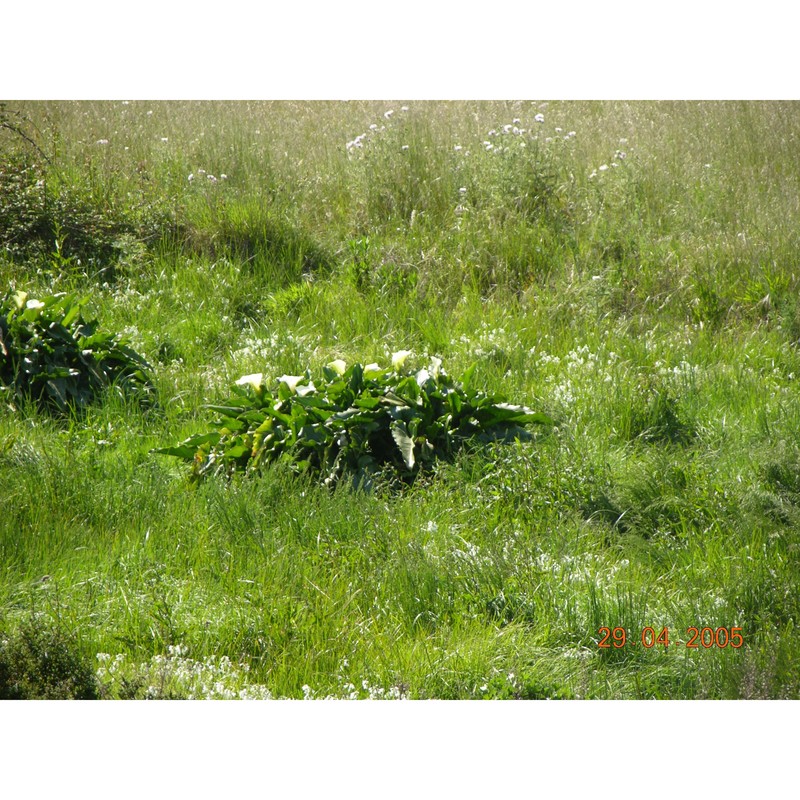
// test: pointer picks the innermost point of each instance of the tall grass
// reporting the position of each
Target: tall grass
(635, 279)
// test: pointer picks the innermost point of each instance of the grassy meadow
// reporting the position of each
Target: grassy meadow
(629, 269)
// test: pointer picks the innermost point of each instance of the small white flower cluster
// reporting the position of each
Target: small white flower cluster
(176, 675)
(470, 554)
(505, 136)
(564, 393)
(681, 374)
(489, 342)
(619, 157)
(358, 142)
(584, 371)
(201, 173)
(268, 351)
(348, 691)
(585, 568)
(581, 359)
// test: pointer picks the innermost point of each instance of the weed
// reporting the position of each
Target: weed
(354, 420)
(40, 662)
(50, 354)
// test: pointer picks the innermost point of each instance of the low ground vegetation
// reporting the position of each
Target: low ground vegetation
(616, 283)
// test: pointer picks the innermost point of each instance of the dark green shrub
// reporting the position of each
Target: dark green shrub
(41, 663)
(361, 421)
(50, 354)
(49, 219)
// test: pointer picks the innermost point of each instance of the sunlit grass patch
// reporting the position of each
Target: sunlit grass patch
(626, 269)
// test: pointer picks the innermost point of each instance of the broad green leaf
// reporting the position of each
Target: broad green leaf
(466, 378)
(367, 402)
(356, 382)
(228, 411)
(404, 443)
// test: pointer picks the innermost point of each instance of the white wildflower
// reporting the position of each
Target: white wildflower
(297, 385)
(253, 380)
(398, 358)
(422, 376)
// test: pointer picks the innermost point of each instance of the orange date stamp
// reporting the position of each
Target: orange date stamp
(648, 637)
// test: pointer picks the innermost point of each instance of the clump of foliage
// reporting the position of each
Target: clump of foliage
(41, 663)
(361, 421)
(48, 219)
(50, 354)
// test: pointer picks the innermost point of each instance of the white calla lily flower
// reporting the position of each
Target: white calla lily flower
(338, 366)
(292, 380)
(302, 391)
(398, 358)
(253, 380)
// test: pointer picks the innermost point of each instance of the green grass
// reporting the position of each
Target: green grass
(648, 306)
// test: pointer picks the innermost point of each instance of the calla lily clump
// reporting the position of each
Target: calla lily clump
(50, 354)
(358, 420)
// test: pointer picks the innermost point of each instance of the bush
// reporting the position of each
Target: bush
(44, 664)
(50, 354)
(362, 421)
(45, 218)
